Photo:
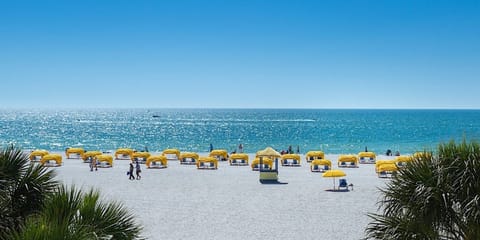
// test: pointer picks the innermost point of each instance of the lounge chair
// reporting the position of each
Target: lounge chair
(342, 184)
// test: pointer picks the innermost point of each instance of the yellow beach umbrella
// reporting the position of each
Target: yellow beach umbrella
(333, 174)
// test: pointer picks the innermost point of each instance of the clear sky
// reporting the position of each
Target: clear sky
(240, 54)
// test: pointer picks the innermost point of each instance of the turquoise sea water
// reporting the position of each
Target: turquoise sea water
(333, 131)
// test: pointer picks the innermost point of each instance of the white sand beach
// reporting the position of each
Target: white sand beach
(181, 202)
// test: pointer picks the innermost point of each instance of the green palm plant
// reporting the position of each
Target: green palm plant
(436, 197)
(71, 214)
(23, 188)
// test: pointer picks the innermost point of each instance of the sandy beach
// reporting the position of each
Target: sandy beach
(181, 202)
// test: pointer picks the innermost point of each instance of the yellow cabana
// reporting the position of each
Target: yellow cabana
(77, 151)
(104, 161)
(387, 170)
(320, 165)
(51, 160)
(313, 155)
(422, 155)
(207, 163)
(171, 153)
(290, 160)
(238, 159)
(141, 157)
(156, 161)
(347, 161)
(401, 161)
(267, 164)
(383, 162)
(37, 155)
(123, 153)
(367, 157)
(89, 155)
(188, 158)
(219, 154)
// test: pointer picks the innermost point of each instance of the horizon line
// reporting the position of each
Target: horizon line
(231, 108)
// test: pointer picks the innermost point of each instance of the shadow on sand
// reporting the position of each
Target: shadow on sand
(263, 181)
(337, 190)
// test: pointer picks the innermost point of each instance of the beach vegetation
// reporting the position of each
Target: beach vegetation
(73, 214)
(23, 188)
(436, 196)
(33, 205)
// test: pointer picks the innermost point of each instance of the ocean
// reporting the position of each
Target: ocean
(332, 131)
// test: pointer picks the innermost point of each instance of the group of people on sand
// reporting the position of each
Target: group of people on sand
(290, 150)
(138, 170)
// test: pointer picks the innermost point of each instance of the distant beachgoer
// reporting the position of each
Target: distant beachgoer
(366, 150)
(298, 149)
(138, 170)
(211, 147)
(290, 151)
(240, 148)
(130, 172)
(93, 164)
(389, 152)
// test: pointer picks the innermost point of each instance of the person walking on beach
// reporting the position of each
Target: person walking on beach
(93, 164)
(240, 148)
(138, 170)
(211, 147)
(130, 172)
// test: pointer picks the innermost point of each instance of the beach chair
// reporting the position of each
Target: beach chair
(342, 184)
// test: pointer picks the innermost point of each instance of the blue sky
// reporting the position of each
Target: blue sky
(240, 54)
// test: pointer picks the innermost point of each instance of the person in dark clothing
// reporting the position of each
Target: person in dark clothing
(138, 170)
(130, 172)
(389, 152)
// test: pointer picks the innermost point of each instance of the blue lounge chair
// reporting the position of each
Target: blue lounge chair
(342, 184)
